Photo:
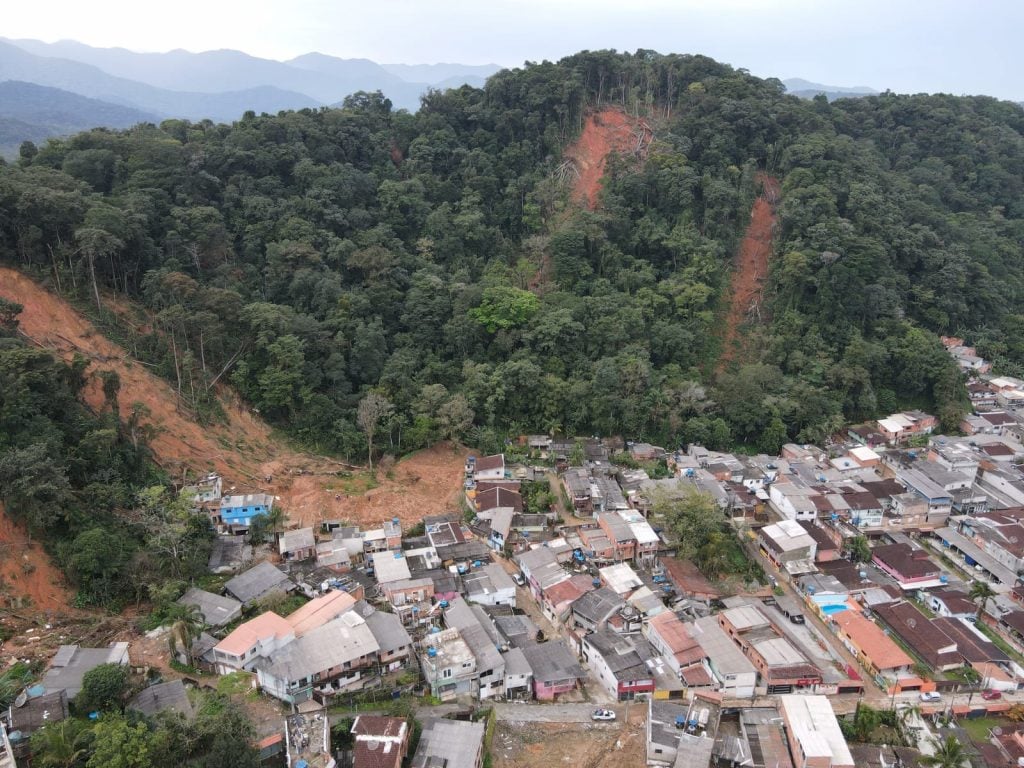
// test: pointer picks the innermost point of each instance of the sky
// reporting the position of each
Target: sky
(955, 46)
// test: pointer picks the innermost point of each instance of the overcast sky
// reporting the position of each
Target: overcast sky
(957, 46)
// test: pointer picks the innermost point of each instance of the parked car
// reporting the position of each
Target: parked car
(797, 618)
(602, 714)
(991, 695)
(518, 579)
(931, 696)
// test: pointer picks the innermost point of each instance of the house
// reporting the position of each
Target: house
(783, 667)
(319, 611)
(794, 500)
(490, 468)
(395, 645)
(488, 502)
(379, 742)
(900, 427)
(490, 585)
(299, 544)
(688, 580)
(489, 677)
(734, 675)
(163, 697)
(576, 483)
(915, 631)
(409, 598)
(555, 669)
(827, 549)
(865, 456)
(71, 663)
(331, 658)
(620, 578)
(619, 663)
(595, 609)
(228, 554)
(449, 744)
(671, 638)
(541, 570)
(251, 641)
(912, 568)
(390, 566)
(205, 491)
(681, 735)
(501, 528)
(448, 664)
(238, 512)
(789, 546)
(334, 556)
(37, 711)
(518, 675)
(879, 654)
(815, 738)
(216, 610)
(951, 603)
(258, 583)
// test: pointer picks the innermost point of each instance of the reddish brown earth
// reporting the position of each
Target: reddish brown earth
(243, 450)
(750, 270)
(606, 131)
(28, 580)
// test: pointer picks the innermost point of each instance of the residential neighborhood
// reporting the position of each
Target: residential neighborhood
(883, 570)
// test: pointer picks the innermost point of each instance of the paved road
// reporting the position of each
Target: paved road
(554, 713)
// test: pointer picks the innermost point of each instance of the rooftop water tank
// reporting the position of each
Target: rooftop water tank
(431, 651)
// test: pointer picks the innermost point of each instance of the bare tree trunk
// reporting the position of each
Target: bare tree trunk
(95, 287)
(56, 271)
(202, 351)
(177, 369)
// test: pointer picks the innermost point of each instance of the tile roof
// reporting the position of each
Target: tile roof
(871, 640)
(319, 611)
(249, 633)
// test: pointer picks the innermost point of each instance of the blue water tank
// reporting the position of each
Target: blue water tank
(443, 603)
(431, 651)
(596, 582)
(398, 555)
(944, 578)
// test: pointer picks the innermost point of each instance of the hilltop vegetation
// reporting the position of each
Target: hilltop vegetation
(437, 259)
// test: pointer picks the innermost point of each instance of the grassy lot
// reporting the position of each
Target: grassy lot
(1004, 646)
(979, 727)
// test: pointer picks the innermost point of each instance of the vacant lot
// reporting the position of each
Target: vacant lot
(571, 745)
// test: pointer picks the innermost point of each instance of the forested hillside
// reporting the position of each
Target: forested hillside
(437, 258)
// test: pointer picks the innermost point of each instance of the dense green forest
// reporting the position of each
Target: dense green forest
(83, 482)
(435, 258)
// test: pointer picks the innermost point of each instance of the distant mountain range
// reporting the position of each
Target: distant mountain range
(805, 89)
(30, 112)
(219, 85)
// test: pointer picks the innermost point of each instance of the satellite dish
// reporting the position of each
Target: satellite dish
(911, 623)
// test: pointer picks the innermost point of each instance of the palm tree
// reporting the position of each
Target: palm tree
(187, 625)
(981, 590)
(58, 745)
(949, 753)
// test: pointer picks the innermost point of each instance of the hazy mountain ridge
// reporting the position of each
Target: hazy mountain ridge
(806, 89)
(219, 85)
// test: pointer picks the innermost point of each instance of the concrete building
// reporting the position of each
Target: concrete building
(449, 744)
(815, 739)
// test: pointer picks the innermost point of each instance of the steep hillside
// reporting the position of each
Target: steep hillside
(243, 450)
(604, 132)
(745, 297)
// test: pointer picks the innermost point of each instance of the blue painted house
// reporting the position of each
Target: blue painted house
(238, 511)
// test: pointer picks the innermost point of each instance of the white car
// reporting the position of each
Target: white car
(931, 696)
(602, 714)
(518, 579)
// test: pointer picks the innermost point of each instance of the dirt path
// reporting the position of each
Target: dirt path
(606, 131)
(556, 745)
(750, 271)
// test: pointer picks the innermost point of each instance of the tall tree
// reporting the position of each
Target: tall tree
(373, 409)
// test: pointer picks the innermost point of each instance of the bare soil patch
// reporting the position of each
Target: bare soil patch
(750, 271)
(29, 581)
(605, 131)
(571, 745)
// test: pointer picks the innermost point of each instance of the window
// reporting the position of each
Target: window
(447, 673)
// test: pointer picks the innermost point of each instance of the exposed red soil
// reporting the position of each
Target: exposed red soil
(26, 572)
(606, 131)
(750, 269)
(243, 450)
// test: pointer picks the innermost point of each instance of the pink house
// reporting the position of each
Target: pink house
(905, 564)
(555, 669)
